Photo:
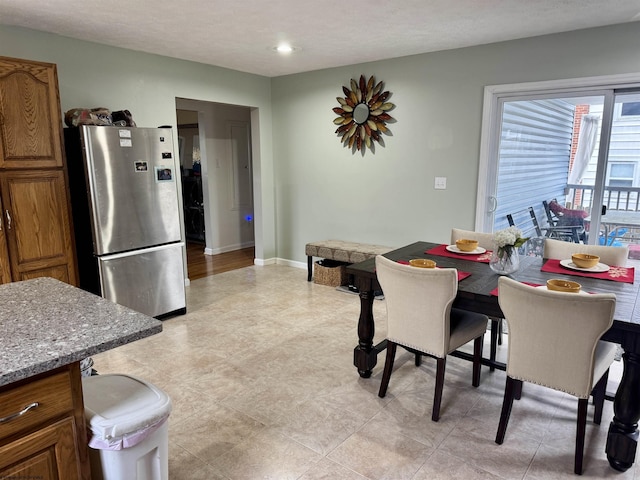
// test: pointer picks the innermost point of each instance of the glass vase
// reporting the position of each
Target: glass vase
(504, 261)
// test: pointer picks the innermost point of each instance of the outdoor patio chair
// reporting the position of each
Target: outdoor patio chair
(527, 222)
(558, 216)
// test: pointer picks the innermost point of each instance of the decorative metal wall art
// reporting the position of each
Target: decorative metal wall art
(363, 114)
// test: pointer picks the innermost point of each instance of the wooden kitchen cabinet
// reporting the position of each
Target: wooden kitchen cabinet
(48, 441)
(5, 270)
(36, 238)
(36, 224)
(30, 120)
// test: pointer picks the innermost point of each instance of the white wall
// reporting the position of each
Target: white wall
(324, 191)
(93, 75)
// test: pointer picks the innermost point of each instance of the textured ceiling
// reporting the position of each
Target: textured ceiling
(240, 34)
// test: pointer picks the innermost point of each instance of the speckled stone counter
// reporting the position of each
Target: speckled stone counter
(45, 324)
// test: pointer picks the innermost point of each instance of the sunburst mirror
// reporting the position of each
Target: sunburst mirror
(363, 114)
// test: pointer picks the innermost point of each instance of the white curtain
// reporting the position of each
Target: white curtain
(586, 145)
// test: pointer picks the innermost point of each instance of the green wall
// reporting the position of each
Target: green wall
(309, 187)
(324, 191)
(92, 75)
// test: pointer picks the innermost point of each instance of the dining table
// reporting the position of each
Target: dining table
(477, 291)
(618, 224)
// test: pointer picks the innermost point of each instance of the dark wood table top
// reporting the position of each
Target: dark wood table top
(474, 292)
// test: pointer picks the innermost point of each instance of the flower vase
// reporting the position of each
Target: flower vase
(504, 260)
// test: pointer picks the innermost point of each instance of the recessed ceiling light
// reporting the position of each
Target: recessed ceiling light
(285, 49)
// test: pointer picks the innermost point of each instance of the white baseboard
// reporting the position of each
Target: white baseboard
(228, 248)
(262, 262)
(291, 263)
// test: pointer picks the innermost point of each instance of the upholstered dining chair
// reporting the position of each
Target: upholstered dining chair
(560, 250)
(485, 240)
(554, 341)
(421, 320)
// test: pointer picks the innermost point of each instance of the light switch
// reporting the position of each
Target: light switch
(441, 183)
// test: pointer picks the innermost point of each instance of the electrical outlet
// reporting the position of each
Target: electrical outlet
(441, 183)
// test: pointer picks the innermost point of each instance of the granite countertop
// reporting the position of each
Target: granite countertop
(45, 324)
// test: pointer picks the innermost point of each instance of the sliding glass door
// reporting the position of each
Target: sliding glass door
(580, 149)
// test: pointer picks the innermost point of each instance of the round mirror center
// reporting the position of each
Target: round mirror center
(361, 113)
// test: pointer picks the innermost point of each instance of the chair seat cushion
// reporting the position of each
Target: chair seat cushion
(465, 326)
(605, 355)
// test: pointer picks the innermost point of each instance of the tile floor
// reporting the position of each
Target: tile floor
(263, 387)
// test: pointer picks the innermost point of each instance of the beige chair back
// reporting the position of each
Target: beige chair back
(418, 304)
(485, 240)
(553, 335)
(560, 250)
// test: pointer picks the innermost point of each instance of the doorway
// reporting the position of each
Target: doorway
(217, 185)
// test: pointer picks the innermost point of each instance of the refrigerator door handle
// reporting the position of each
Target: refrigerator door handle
(131, 253)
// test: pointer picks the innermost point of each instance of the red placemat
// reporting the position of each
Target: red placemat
(441, 251)
(616, 274)
(461, 275)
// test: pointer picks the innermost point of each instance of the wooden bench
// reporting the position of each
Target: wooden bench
(349, 252)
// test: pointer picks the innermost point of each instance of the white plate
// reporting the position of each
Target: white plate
(599, 268)
(477, 251)
(581, 292)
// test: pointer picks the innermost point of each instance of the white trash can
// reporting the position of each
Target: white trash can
(127, 428)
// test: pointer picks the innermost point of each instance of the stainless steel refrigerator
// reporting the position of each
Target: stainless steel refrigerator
(124, 198)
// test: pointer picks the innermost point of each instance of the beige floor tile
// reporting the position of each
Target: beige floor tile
(444, 467)
(184, 466)
(326, 469)
(260, 373)
(267, 455)
(381, 454)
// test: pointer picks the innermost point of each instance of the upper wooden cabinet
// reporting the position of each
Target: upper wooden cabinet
(30, 119)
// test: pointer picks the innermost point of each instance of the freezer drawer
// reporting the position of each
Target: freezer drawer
(150, 281)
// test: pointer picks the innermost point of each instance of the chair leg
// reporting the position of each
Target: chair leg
(580, 430)
(495, 327)
(388, 367)
(418, 359)
(517, 391)
(309, 267)
(499, 331)
(437, 396)
(509, 392)
(599, 392)
(477, 358)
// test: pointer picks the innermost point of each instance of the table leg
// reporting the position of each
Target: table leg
(623, 430)
(364, 355)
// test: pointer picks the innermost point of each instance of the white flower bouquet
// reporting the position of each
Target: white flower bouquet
(508, 239)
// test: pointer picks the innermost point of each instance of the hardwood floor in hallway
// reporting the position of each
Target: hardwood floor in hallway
(200, 265)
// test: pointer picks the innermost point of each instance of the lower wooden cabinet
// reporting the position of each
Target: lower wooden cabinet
(36, 226)
(48, 441)
(46, 454)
